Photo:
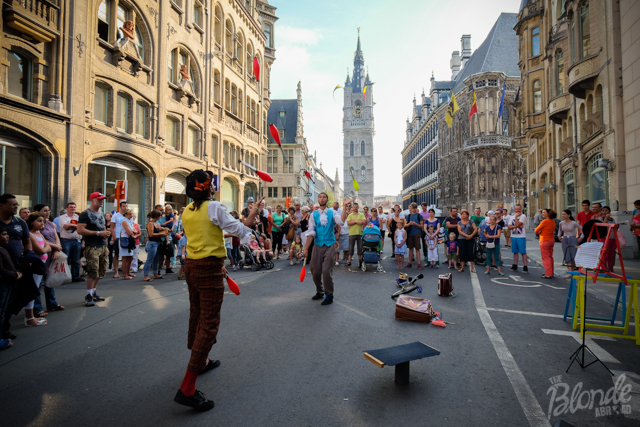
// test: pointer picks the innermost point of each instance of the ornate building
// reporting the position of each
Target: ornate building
(139, 90)
(358, 129)
(473, 163)
(573, 123)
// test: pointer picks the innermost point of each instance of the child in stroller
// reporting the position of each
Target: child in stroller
(256, 258)
(372, 246)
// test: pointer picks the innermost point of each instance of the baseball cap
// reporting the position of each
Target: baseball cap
(97, 195)
(250, 200)
(491, 213)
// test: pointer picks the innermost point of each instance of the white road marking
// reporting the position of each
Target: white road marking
(634, 380)
(602, 354)
(521, 280)
(355, 310)
(530, 406)
(530, 313)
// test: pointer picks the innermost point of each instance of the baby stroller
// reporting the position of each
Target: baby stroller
(372, 246)
(480, 251)
(251, 260)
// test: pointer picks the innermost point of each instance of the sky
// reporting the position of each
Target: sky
(403, 42)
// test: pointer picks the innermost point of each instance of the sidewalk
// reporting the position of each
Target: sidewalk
(604, 291)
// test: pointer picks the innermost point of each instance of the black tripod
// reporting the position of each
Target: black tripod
(578, 355)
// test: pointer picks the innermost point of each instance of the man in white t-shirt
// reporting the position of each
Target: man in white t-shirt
(518, 226)
(116, 229)
(71, 241)
(506, 232)
(383, 218)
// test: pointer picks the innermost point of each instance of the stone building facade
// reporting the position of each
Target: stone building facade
(474, 163)
(358, 130)
(574, 124)
(103, 90)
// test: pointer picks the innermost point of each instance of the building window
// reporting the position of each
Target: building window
(192, 141)
(559, 73)
(217, 26)
(172, 137)
(141, 120)
(282, 113)
(585, 31)
(505, 120)
(122, 15)
(19, 77)
(253, 114)
(234, 96)
(214, 149)
(239, 49)
(225, 154)
(177, 59)
(104, 19)
(362, 151)
(569, 191)
(267, 32)
(140, 44)
(288, 166)
(273, 192)
(363, 173)
(535, 41)
(249, 59)
(101, 107)
(537, 96)
(227, 94)
(597, 181)
(281, 133)
(229, 194)
(287, 192)
(122, 118)
(197, 14)
(216, 86)
(272, 161)
(351, 148)
(228, 38)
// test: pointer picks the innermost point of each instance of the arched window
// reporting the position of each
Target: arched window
(597, 180)
(537, 96)
(234, 97)
(172, 132)
(216, 87)
(142, 118)
(225, 153)
(240, 49)
(559, 73)
(535, 41)
(569, 191)
(177, 58)
(599, 106)
(228, 37)
(254, 116)
(589, 106)
(363, 172)
(249, 59)
(217, 26)
(362, 152)
(585, 31)
(197, 14)
(140, 44)
(505, 120)
(19, 77)
(227, 95)
(351, 149)
(581, 118)
(240, 98)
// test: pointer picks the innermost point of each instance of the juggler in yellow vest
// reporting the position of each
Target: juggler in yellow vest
(204, 239)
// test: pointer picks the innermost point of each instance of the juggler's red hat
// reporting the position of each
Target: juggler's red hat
(97, 195)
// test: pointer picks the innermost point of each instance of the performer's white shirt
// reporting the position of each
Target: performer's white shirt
(219, 216)
(311, 230)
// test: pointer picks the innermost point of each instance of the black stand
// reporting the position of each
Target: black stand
(402, 373)
(578, 355)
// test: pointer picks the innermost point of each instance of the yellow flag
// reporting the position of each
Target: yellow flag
(453, 107)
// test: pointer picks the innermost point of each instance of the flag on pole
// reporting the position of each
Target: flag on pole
(453, 107)
(474, 106)
(504, 89)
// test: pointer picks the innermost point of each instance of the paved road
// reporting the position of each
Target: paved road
(288, 361)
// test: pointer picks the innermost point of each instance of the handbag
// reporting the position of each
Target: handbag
(291, 234)
(124, 242)
(59, 272)
(491, 245)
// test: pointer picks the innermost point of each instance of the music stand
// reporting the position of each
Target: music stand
(587, 257)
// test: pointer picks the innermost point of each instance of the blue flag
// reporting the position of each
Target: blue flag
(504, 89)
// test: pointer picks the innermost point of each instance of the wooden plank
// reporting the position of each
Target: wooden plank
(373, 360)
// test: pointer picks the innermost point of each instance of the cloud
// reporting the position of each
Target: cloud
(297, 36)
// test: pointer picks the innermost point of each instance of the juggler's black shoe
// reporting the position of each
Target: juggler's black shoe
(198, 401)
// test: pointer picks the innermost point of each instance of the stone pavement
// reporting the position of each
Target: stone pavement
(602, 290)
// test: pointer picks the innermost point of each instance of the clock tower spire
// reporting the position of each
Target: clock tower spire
(358, 131)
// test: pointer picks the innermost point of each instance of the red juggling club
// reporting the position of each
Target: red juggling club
(303, 272)
(262, 175)
(276, 136)
(233, 286)
(256, 68)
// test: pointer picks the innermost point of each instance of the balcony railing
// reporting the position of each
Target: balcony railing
(488, 140)
(35, 18)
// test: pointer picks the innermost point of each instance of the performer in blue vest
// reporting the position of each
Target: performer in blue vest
(320, 233)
